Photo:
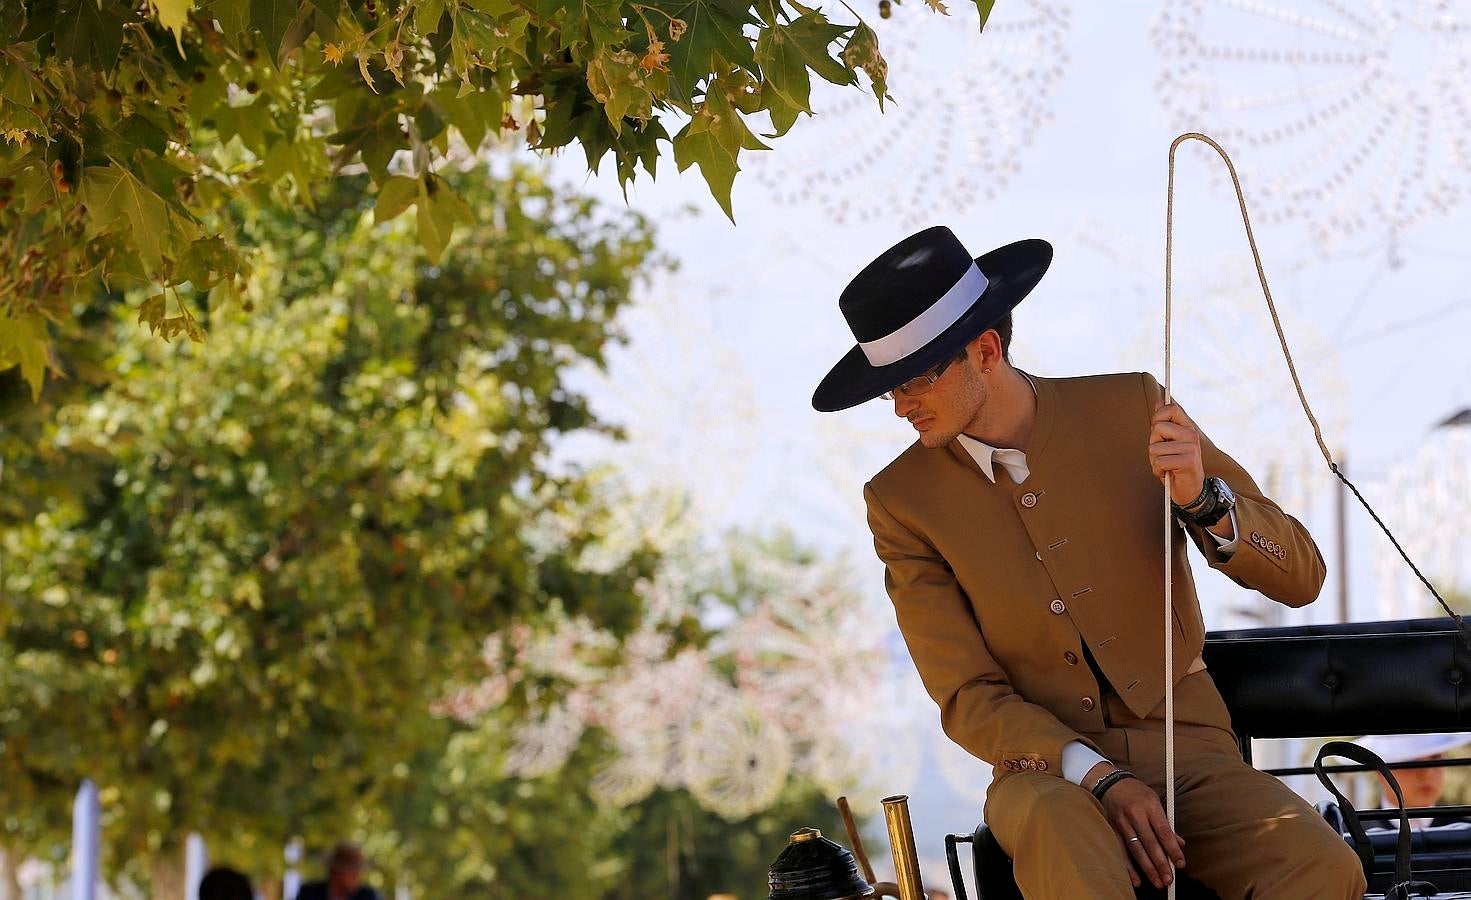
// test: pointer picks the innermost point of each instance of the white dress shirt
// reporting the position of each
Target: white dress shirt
(1077, 757)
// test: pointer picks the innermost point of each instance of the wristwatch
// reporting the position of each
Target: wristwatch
(1219, 501)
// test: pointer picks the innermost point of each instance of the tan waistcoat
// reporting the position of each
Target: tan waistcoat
(998, 586)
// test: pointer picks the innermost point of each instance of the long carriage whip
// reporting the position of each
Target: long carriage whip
(1333, 467)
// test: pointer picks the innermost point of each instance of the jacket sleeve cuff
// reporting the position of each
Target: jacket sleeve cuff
(1276, 557)
(1077, 759)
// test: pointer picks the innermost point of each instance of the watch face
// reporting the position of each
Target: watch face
(1224, 490)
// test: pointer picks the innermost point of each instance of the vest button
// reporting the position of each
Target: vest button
(1087, 704)
(1071, 657)
(1029, 499)
(1057, 607)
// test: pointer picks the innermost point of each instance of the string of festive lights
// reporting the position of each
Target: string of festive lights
(965, 109)
(1353, 118)
(731, 721)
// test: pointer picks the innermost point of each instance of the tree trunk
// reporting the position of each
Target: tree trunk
(10, 872)
(166, 871)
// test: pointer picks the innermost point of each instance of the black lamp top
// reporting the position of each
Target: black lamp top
(815, 868)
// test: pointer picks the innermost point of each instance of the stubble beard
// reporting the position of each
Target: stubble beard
(970, 397)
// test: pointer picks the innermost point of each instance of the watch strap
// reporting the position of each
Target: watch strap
(1197, 508)
(1213, 516)
(1216, 509)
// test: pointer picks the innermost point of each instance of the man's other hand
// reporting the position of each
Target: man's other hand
(1134, 810)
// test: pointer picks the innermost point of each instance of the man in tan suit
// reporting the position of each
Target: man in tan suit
(1023, 548)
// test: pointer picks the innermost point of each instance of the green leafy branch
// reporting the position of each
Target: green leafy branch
(128, 132)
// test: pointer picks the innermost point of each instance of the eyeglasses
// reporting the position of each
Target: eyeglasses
(921, 384)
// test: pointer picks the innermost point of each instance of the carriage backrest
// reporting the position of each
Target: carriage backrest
(1399, 677)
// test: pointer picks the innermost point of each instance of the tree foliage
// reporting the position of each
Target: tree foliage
(275, 552)
(127, 127)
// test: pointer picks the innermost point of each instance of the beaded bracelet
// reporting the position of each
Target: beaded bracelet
(1198, 501)
(1109, 780)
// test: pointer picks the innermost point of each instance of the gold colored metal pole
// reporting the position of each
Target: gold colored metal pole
(901, 840)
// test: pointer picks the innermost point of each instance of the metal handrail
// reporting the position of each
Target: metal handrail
(1409, 764)
(1417, 812)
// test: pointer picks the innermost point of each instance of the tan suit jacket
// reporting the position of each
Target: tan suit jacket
(997, 587)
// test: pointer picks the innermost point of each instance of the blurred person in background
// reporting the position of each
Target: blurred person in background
(1421, 787)
(222, 883)
(344, 877)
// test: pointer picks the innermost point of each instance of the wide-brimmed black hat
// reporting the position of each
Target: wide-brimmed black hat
(920, 302)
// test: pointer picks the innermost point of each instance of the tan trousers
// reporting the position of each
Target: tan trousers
(1247, 835)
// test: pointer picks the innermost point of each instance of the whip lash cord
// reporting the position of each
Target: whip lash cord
(1333, 467)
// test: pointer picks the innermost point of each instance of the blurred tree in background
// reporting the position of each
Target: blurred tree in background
(462, 827)
(272, 553)
(241, 579)
(674, 848)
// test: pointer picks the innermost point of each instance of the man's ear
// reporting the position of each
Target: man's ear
(977, 344)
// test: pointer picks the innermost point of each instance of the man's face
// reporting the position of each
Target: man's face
(940, 414)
